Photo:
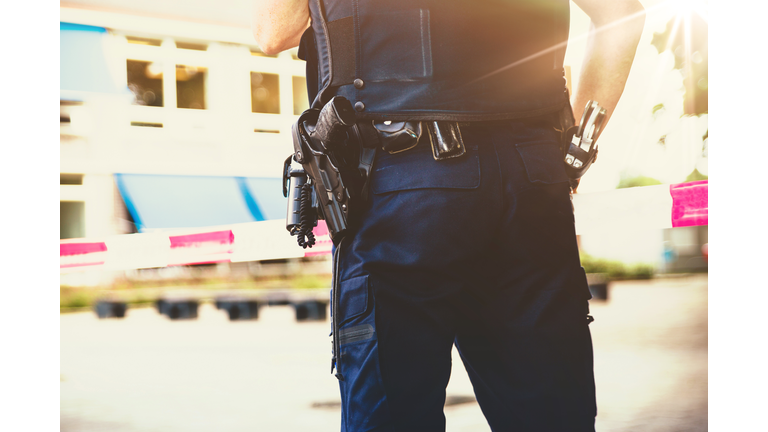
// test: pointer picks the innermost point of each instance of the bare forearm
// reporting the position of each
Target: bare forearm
(278, 24)
(613, 39)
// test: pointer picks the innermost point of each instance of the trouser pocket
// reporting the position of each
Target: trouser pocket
(363, 398)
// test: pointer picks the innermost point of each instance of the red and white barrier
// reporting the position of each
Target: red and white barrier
(649, 207)
(232, 243)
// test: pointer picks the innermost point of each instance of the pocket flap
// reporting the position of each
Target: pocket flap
(543, 162)
(354, 298)
(417, 169)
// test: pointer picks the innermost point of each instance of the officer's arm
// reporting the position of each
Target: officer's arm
(278, 24)
(614, 34)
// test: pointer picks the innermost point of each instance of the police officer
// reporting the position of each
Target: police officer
(475, 246)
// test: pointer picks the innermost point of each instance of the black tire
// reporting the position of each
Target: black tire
(599, 291)
(118, 309)
(234, 312)
(102, 310)
(310, 311)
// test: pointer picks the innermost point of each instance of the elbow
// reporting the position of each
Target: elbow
(272, 41)
(270, 48)
(269, 44)
(276, 45)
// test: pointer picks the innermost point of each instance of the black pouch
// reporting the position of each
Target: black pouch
(446, 141)
(396, 137)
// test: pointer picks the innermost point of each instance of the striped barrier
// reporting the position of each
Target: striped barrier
(649, 207)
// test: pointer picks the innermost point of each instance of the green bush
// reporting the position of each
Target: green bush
(139, 301)
(616, 269)
(310, 282)
(696, 176)
(642, 271)
(638, 181)
(75, 298)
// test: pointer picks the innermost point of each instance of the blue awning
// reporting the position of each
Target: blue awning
(268, 194)
(168, 201)
(83, 64)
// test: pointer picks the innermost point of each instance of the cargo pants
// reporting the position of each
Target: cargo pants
(478, 251)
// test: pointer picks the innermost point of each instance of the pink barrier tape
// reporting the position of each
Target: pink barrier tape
(67, 249)
(650, 207)
(81, 264)
(196, 240)
(321, 229)
(323, 243)
(690, 203)
(201, 262)
(320, 248)
(82, 254)
(201, 248)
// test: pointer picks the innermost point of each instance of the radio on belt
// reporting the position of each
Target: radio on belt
(582, 148)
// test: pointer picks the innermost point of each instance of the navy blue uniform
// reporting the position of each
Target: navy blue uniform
(477, 251)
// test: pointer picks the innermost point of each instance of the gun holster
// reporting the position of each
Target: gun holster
(329, 145)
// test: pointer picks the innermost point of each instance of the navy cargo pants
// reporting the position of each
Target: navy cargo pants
(478, 251)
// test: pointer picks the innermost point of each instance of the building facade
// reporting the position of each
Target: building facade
(170, 120)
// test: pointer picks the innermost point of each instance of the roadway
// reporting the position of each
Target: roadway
(146, 373)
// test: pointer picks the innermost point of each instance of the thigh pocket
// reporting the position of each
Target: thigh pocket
(353, 301)
(417, 169)
(543, 162)
(363, 399)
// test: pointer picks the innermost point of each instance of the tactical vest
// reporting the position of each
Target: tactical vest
(458, 60)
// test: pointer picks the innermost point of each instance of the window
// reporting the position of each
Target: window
(191, 46)
(300, 102)
(70, 179)
(65, 119)
(145, 80)
(265, 93)
(143, 41)
(72, 219)
(190, 87)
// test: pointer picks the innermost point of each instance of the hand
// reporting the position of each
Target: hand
(574, 184)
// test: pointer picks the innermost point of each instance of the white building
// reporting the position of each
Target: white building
(171, 116)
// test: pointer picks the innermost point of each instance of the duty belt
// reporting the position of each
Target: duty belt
(444, 137)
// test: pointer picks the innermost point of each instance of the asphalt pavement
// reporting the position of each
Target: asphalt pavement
(146, 373)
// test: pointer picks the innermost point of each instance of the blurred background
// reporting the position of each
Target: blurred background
(172, 117)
